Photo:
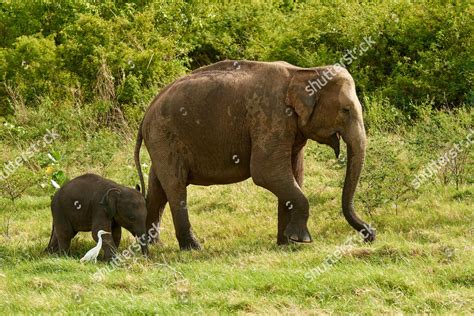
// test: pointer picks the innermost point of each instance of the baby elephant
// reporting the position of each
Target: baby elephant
(92, 203)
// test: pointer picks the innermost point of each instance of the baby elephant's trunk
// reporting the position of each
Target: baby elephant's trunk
(143, 240)
(145, 248)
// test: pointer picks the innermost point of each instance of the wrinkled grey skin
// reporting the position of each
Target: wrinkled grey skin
(233, 120)
(92, 203)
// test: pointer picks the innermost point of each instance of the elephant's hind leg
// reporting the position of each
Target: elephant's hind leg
(175, 188)
(64, 236)
(155, 202)
(179, 211)
(53, 246)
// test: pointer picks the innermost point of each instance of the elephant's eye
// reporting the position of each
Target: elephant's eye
(345, 110)
(131, 217)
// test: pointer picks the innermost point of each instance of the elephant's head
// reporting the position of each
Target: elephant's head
(127, 207)
(327, 106)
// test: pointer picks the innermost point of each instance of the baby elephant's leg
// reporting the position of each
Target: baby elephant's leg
(63, 234)
(53, 246)
(116, 234)
(108, 244)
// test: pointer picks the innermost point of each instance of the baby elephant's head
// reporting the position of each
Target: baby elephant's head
(128, 208)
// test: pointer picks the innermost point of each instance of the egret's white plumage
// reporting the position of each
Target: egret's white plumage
(92, 254)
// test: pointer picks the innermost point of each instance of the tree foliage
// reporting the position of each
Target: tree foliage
(64, 50)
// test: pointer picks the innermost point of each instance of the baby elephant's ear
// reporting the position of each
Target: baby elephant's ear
(109, 202)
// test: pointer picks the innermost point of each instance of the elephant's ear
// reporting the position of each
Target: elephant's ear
(109, 202)
(301, 95)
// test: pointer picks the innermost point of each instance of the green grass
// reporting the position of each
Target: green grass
(421, 262)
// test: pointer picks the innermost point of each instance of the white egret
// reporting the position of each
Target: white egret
(92, 254)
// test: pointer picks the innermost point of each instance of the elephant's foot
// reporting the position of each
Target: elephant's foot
(189, 243)
(282, 240)
(110, 253)
(108, 258)
(297, 233)
(154, 240)
(51, 250)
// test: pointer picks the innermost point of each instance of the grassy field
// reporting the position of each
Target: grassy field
(422, 261)
(87, 70)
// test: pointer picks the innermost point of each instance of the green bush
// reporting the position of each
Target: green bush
(31, 72)
(74, 51)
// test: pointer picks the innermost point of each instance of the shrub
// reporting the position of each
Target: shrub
(421, 50)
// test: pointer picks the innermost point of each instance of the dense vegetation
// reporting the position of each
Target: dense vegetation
(119, 53)
(88, 70)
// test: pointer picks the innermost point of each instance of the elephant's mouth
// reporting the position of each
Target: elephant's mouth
(333, 141)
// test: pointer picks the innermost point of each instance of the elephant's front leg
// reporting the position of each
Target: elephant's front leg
(284, 213)
(284, 217)
(108, 244)
(116, 234)
(274, 172)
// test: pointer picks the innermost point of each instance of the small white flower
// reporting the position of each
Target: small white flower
(51, 157)
(55, 184)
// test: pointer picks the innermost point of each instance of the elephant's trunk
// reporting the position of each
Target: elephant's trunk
(144, 249)
(355, 162)
(143, 241)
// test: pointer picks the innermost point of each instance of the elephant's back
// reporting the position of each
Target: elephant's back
(75, 199)
(203, 118)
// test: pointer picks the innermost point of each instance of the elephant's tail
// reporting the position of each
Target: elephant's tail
(138, 146)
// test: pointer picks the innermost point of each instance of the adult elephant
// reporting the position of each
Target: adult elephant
(233, 120)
